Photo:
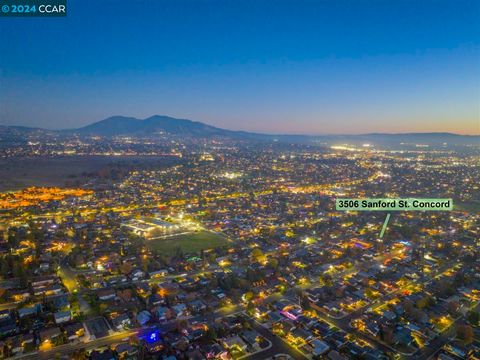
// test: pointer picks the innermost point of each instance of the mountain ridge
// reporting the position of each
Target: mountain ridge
(160, 124)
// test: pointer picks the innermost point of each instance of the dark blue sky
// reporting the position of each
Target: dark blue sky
(270, 66)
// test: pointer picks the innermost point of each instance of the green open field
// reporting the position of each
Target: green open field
(20, 172)
(188, 243)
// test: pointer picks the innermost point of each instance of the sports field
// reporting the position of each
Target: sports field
(189, 243)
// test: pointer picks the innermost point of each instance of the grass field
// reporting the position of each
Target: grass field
(18, 173)
(188, 243)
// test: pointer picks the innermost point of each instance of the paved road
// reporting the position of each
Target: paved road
(422, 354)
(436, 345)
(278, 346)
(69, 348)
(10, 305)
(70, 281)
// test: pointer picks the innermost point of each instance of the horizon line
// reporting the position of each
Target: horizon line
(250, 131)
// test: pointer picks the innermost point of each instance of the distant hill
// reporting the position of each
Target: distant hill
(121, 125)
(10, 135)
(159, 124)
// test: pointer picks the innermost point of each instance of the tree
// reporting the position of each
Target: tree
(257, 254)
(305, 303)
(326, 279)
(19, 271)
(273, 263)
(154, 288)
(211, 334)
(248, 296)
(465, 333)
(369, 293)
(253, 275)
(408, 307)
(181, 325)
(473, 318)
(424, 302)
(178, 252)
(79, 355)
(145, 263)
(453, 307)
(4, 268)
(250, 308)
(126, 268)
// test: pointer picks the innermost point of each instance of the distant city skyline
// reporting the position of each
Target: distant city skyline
(286, 67)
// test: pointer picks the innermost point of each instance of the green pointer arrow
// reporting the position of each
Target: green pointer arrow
(384, 227)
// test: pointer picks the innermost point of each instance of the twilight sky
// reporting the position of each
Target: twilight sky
(304, 67)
